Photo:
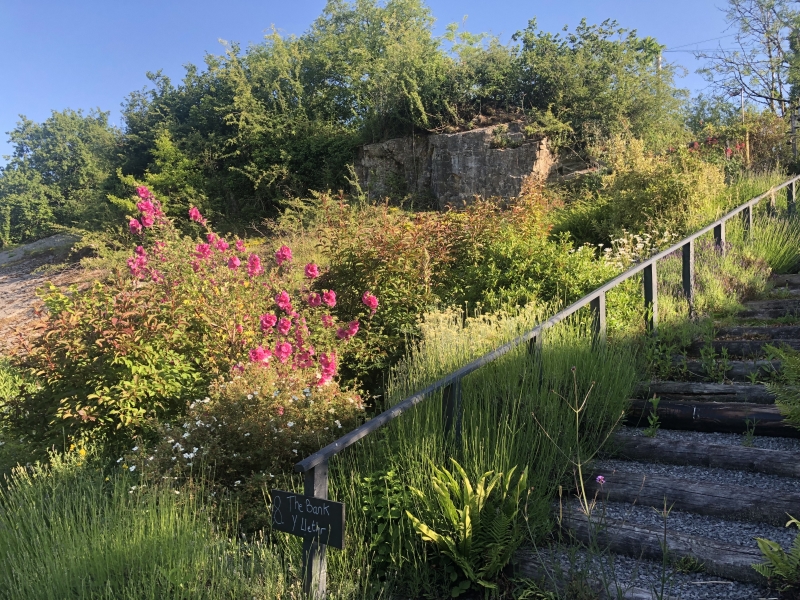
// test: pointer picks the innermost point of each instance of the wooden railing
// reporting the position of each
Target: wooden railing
(315, 467)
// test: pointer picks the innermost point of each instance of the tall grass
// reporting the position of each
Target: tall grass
(66, 531)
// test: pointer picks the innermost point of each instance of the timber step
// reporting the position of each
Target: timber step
(738, 502)
(770, 309)
(723, 417)
(694, 391)
(719, 456)
(743, 348)
(756, 332)
(791, 281)
(644, 541)
(734, 370)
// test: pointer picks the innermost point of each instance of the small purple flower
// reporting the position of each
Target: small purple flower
(601, 480)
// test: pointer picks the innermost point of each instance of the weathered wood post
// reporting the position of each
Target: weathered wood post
(598, 308)
(747, 217)
(719, 237)
(451, 408)
(315, 568)
(650, 297)
(791, 205)
(688, 274)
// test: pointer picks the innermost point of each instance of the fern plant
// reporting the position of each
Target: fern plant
(781, 567)
(477, 523)
(787, 390)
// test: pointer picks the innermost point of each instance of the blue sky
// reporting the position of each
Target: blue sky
(92, 53)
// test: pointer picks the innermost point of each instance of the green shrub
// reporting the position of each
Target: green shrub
(781, 567)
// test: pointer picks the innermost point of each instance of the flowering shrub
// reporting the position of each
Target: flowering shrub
(183, 312)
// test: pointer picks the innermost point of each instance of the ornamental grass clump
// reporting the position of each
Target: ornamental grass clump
(135, 349)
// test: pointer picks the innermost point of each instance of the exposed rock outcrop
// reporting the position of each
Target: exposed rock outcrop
(454, 168)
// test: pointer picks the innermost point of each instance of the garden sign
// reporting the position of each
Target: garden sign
(308, 517)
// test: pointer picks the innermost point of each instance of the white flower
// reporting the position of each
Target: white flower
(290, 424)
(132, 468)
(135, 448)
(119, 460)
(186, 435)
(295, 451)
(174, 457)
(246, 434)
(249, 396)
(151, 458)
(338, 424)
(237, 482)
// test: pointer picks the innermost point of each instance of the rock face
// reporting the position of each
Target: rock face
(454, 168)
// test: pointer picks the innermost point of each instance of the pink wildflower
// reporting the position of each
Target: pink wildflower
(137, 265)
(327, 362)
(239, 367)
(350, 331)
(601, 480)
(283, 351)
(327, 321)
(239, 328)
(329, 298)
(195, 216)
(240, 246)
(370, 301)
(140, 251)
(135, 226)
(312, 271)
(156, 276)
(203, 251)
(222, 245)
(284, 254)
(283, 301)
(144, 193)
(147, 219)
(196, 265)
(254, 265)
(268, 320)
(303, 360)
(279, 410)
(211, 237)
(260, 355)
(233, 263)
(314, 300)
(284, 325)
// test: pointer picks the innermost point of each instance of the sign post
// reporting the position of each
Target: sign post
(319, 522)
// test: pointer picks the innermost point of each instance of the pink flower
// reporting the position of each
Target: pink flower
(303, 360)
(284, 325)
(137, 264)
(283, 301)
(314, 300)
(348, 332)
(601, 480)
(238, 367)
(283, 351)
(268, 320)
(159, 246)
(156, 276)
(211, 238)
(196, 265)
(222, 245)
(260, 355)
(147, 219)
(327, 362)
(233, 263)
(284, 254)
(146, 207)
(140, 251)
(144, 193)
(202, 251)
(279, 410)
(329, 298)
(135, 226)
(370, 301)
(327, 320)
(240, 246)
(312, 271)
(195, 216)
(254, 265)
(239, 329)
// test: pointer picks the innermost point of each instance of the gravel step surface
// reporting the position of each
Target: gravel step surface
(724, 476)
(736, 533)
(733, 439)
(630, 572)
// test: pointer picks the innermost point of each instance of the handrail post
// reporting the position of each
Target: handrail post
(451, 407)
(315, 567)
(791, 206)
(688, 275)
(771, 205)
(719, 237)
(598, 308)
(747, 217)
(650, 297)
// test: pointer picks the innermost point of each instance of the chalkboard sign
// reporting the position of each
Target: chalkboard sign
(308, 517)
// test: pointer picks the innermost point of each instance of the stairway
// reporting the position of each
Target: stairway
(722, 485)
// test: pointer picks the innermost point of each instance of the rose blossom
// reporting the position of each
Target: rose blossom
(327, 320)
(260, 355)
(348, 332)
(284, 254)
(195, 216)
(329, 298)
(370, 301)
(283, 351)
(135, 226)
(268, 320)
(240, 246)
(233, 263)
(203, 251)
(314, 300)
(284, 325)
(283, 301)
(312, 271)
(254, 265)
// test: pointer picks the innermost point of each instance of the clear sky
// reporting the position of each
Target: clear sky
(59, 54)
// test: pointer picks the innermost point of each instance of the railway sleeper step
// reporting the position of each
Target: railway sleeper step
(720, 456)
(734, 370)
(743, 348)
(716, 499)
(721, 417)
(694, 391)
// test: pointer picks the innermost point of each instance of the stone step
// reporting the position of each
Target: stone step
(723, 417)
(791, 281)
(695, 391)
(738, 502)
(719, 456)
(735, 370)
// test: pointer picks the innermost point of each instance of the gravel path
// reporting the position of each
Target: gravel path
(731, 439)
